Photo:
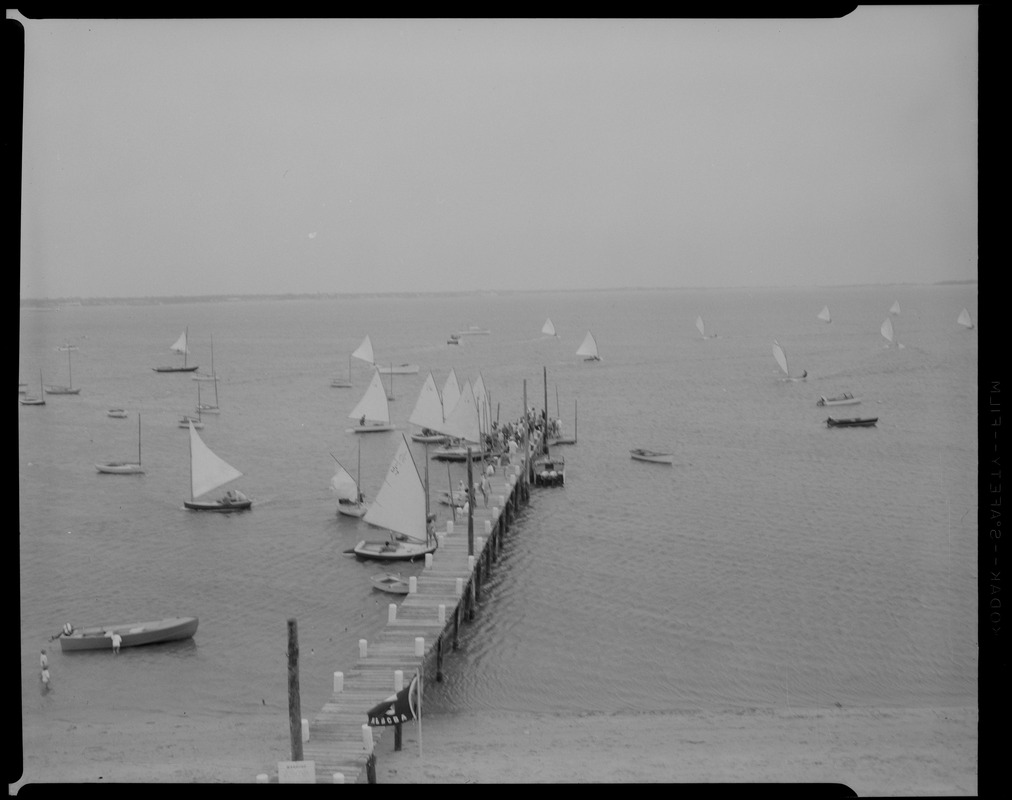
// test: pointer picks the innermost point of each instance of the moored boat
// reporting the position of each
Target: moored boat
(372, 412)
(133, 634)
(853, 422)
(845, 399)
(639, 454)
(125, 467)
(394, 584)
(589, 348)
(116, 413)
(549, 470)
(69, 388)
(181, 348)
(209, 472)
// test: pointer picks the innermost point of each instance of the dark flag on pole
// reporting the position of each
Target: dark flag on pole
(398, 708)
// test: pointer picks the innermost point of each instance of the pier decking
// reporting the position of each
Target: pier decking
(419, 632)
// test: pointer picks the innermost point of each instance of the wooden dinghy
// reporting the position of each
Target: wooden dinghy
(639, 454)
(133, 634)
(853, 422)
(393, 584)
(845, 399)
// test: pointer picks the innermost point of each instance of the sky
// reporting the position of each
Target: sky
(208, 157)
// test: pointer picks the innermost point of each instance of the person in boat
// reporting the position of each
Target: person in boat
(804, 373)
(361, 422)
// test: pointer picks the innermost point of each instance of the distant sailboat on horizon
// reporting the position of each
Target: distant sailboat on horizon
(702, 329)
(964, 319)
(179, 347)
(824, 315)
(895, 308)
(549, 328)
(589, 348)
(889, 334)
(781, 358)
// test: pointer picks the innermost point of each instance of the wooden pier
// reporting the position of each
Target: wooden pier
(420, 632)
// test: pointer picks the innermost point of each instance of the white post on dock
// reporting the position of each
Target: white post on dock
(413, 581)
(391, 613)
(338, 682)
(398, 679)
(428, 557)
(470, 563)
(442, 613)
(419, 646)
(367, 738)
(263, 777)
(305, 730)
(363, 648)
(488, 523)
(449, 526)
(338, 777)
(460, 586)
(480, 541)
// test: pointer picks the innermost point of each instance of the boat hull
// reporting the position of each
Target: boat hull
(133, 634)
(176, 369)
(116, 413)
(340, 384)
(392, 551)
(220, 506)
(838, 401)
(352, 509)
(31, 401)
(61, 390)
(851, 423)
(398, 369)
(120, 468)
(435, 438)
(652, 457)
(455, 454)
(370, 428)
(561, 440)
(392, 584)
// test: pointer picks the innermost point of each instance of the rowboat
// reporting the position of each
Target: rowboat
(639, 454)
(394, 584)
(133, 634)
(853, 422)
(845, 399)
(550, 471)
(117, 413)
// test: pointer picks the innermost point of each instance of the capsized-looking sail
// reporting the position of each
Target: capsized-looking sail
(180, 345)
(373, 405)
(964, 319)
(428, 411)
(781, 357)
(589, 346)
(451, 393)
(207, 471)
(824, 314)
(364, 351)
(400, 502)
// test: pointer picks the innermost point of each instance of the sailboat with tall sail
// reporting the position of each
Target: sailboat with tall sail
(372, 412)
(702, 329)
(186, 420)
(69, 388)
(589, 348)
(125, 467)
(889, 333)
(32, 400)
(428, 413)
(211, 408)
(964, 319)
(895, 308)
(824, 315)
(179, 347)
(549, 328)
(401, 508)
(209, 472)
(463, 426)
(781, 358)
(555, 434)
(450, 393)
(350, 500)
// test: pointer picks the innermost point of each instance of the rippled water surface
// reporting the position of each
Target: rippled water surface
(777, 561)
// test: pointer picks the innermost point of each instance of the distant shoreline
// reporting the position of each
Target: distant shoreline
(55, 304)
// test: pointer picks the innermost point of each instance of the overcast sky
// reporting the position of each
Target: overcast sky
(277, 156)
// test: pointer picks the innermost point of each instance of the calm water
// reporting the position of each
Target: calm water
(777, 561)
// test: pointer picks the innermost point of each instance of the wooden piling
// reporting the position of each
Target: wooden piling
(294, 706)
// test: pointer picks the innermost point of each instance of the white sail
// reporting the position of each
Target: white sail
(548, 327)
(462, 422)
(964, 319)
(895, 309)
(451, 393)
(400, 502)
(344, 485)
(589, 346)
(824, 314)
(887, 329)
(364, 351)
(207, 471)
(373, 405)
(428, 411)
(781, 357)
(180, 345)
(700, 328)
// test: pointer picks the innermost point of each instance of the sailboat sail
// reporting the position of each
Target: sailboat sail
(589, 347)
(400, 502)
(364, 351)
(781, 357)
(207, 471)
(548, 328)
(481, 402)
(824, 315)
(344, 485)
(964, 319)
(887, 329)
(700, 327)
(180, 345)
(428, 411)
(895, 308)
(462, 422)
(451, 393)
(373, 405)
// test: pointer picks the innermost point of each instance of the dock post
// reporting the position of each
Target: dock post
(397, 737)
(294, 709)
(439, 659)
(370, 768)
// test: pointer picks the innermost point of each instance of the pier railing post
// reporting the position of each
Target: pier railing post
(294, 708)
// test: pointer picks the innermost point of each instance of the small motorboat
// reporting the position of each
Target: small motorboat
(639, 454)
(394, 584)
(133, 634)
(117, 413)
(853, 422)
(845, 399)
(550, 471)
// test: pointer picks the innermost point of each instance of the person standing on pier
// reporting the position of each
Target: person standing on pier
(485, 488)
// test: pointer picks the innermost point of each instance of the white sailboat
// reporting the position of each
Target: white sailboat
(549, 328)
(125, 467)
(428, 413)
(31, 400)
(186, 420)
(400, 508)
(824, 315)
(964, 319)
(181, 348)
(889, 334)
(589, 348)
(209, 472)
(451, 393)
(895, 308)
(463, 426)
(350, 500)
(372, 412)
(781, 358)
(210, 408)
(69, 388)
(702, 329)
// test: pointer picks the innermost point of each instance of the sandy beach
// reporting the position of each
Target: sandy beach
(888, 752)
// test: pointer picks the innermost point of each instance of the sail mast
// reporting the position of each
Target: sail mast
(138, 439)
